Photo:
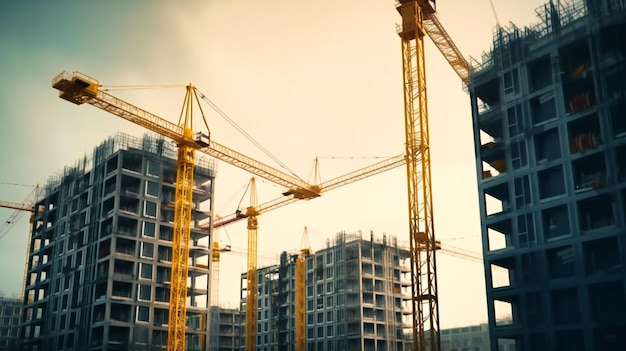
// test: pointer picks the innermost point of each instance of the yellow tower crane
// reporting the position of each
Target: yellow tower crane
(20, 208)
(251, 273)
(419, 19)
(79, 88)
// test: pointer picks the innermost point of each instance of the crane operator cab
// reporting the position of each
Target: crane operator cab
(201, 139)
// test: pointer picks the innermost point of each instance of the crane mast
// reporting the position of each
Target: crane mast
(182, 229)
(252, 290)
(300, 295)
(419, 18)
(424, 300)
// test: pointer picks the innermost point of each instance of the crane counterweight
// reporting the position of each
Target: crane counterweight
(75, 87)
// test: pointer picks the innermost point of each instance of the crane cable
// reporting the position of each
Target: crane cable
(244, 133)
(493, 8)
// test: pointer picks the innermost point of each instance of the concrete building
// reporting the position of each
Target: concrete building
(10, 311)
(549, 116)
(357, 293)
(99, 258)
(225, 329)
(471, 338)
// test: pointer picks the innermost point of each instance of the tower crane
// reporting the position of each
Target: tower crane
(251, 273)
(419, 19)
(79, 88)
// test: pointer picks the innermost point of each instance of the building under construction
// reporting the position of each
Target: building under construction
(357, 293)
(100, 253)
(225, 329)
(10, 312)
(549, 116)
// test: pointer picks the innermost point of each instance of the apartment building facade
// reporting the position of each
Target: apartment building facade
(549, 116)
(99, 259)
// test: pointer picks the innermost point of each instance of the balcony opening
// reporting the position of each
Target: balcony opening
(578, 88)
(132, 162)
(125, 247)
(602, 256)
(607, 302)
(547, 146)
(565, 306)
(551, 182)
(129, 205)
(499, 235)
(493, 157)
(130, 186)
(596, 212)
(556, 223)
(540, 72)
(122, 289)
(121, 313)
(127, 226)
(590, 172)
(503, 312)
(497, 199)
(543, 108)
(584, 134)
(561, 262)
(111, 164)
(502, 273)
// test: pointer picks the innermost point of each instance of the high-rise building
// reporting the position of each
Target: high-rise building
(549, 116)
(357, 293)
(10, 311)
(99, 263)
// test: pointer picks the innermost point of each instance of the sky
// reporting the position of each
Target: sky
(305, 79)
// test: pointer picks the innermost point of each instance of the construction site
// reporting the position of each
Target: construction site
(123, 250)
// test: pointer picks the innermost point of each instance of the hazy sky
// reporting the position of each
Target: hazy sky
(304, 78)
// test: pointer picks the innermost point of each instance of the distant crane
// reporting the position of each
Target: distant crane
(20, 209)
(28, 205)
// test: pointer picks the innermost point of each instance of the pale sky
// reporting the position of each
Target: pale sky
(304, 78)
